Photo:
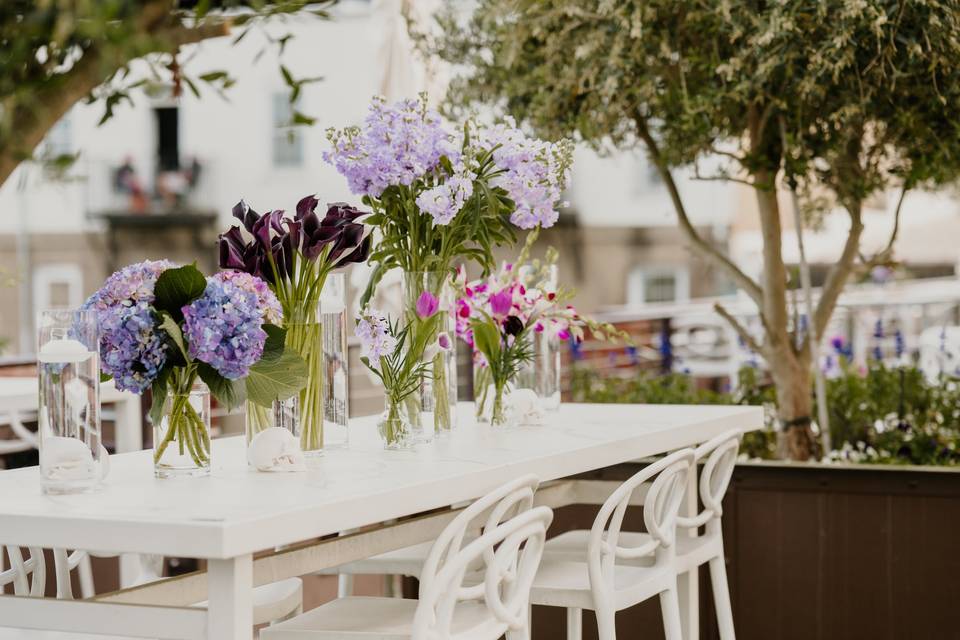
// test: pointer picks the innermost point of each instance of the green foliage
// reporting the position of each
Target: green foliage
(881, 416)
(57, 53)
(863, 93)
(402, 371)
(177, 288)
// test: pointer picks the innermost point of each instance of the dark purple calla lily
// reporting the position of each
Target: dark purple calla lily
(278, 238)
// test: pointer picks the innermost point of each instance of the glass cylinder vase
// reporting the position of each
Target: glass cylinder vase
(542, 373)
(181, 439)
(501, 415)
(72, 459)
(336, 394)
(433, 408)
(304, 413)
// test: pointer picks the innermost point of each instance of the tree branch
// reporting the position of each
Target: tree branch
(739, 328)
(886, 252)
(840, 272)
(94, 67)
(711, 253)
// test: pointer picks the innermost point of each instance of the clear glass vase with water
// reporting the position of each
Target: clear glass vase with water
(72, 458)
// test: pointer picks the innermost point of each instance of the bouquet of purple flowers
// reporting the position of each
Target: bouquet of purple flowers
(294, 255)
(442, 195)
(165, 328)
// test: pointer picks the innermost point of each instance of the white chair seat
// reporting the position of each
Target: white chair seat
(372, 619)
(274, 601)
(565, 583)
(691, 552)
(402, 562)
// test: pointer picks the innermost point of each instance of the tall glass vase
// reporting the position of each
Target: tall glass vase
(542, 373)
(72, 459)
(305, 410)
(336, 395)
(433, 409)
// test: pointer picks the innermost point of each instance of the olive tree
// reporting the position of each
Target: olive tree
(55, 54)
(834, 100)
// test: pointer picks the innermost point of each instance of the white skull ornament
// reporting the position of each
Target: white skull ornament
(275, 449)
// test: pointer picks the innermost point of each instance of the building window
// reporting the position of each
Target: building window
(646, 285)
(287, 139)
(57, 286)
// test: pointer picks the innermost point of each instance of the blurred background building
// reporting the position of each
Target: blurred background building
(159, 180)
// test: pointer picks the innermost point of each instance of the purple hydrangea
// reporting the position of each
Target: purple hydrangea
(266, 300)
(132, 351)
(374, 333)
(397, 144)
(224, 327)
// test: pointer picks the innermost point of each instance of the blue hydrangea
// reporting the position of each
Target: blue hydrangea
(132, 351)
(224, 328)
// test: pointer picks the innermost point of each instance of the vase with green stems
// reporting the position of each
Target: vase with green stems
(433, 407)
(296, 256)
(182, 435)
(394, 353)
(394, 426)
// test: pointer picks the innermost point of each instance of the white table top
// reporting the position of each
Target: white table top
(237, 511)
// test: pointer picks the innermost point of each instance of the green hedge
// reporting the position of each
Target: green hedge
(881, 415)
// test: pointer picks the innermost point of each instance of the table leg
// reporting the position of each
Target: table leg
(230, 597)
(688, 583)
(128, 428)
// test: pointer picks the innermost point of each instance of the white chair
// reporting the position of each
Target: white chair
(719, 457)
(474, 591)
(271, 602)
(28, 577)
(607, 580)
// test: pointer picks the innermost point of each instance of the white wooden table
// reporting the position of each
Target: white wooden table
(227, 517)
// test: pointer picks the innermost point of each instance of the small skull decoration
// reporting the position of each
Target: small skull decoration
(275, 449)
(525, 406)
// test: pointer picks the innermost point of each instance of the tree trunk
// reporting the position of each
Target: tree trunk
(792, 378)
(789, 369)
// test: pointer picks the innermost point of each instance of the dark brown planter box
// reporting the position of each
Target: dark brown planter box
(818, 552)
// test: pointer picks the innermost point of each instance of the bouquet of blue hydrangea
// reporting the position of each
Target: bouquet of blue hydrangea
(165, 328)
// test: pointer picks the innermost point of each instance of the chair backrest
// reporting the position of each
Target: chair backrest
(28, 577)
(720, 455)
(486, 512)
(511, 551)
(660, 512)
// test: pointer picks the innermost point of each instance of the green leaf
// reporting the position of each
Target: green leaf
(230, 393)
(302, 119)
(276, 379)
(105, 377)
(486, 338)
(276, 339)
(159, 392)
(177, 288)
(168, 324)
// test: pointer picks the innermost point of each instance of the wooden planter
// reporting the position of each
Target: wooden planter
(819, 552)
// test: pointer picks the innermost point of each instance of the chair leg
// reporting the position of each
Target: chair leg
(606, 623)
(574, 624)
(344, 585)
(670, 609)
(721, 598)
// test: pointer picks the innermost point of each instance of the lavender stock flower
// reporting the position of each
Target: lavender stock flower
(374, 333)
